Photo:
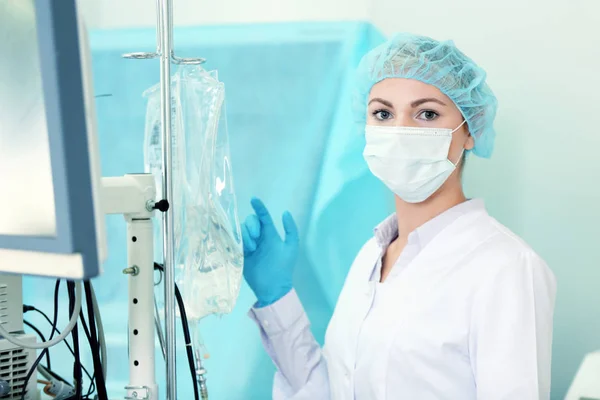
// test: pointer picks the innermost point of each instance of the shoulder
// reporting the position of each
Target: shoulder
(503, 255)
(500, 241)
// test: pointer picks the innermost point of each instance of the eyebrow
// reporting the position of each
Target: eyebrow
(419, 102)
(382, 101)
(414, 104)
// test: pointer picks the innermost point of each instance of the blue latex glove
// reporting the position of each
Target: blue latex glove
(268, 260)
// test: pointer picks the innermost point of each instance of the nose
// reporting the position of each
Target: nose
(405, 119)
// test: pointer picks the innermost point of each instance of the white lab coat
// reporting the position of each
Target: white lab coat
(469, 318)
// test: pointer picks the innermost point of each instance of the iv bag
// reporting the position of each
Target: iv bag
(208, 245)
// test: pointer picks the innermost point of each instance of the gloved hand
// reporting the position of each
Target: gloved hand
(269, 261)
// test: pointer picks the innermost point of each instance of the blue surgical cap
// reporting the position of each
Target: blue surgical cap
(439, 64)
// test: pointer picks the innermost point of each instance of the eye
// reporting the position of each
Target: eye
(382, 115)
(428, 115)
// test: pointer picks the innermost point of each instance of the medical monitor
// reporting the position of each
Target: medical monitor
(50, 223)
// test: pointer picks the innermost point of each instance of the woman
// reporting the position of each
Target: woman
(444, 302)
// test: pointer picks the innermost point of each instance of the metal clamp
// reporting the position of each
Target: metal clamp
(136, 395)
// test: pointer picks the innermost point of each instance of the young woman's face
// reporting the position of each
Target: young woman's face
(408, 102)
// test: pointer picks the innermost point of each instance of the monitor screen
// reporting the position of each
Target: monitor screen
(49, 163)
(28, 191)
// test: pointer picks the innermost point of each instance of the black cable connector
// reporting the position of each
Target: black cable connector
(27, 308)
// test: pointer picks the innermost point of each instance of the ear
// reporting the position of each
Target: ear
(470, 143)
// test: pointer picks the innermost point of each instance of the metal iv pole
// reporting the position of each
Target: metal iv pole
(166, 23)
(166, 54)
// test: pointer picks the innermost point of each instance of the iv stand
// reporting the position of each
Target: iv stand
(166, 54)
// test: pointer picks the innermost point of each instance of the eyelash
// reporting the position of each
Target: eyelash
(429, 111)
(436, 114)
(376, 112)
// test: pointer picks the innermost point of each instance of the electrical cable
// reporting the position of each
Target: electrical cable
(98, 374)
(188, 340)
(36, 330)
(30, 373)
(50, 375)
(50, 342)
(77, 374)
(160, 277)
(92, 386)
(44, 372)
(42, 353)
(102, 341)
(186, 334)
(27, 308)
(100, 327)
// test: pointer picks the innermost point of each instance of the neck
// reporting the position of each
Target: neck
(411, 216)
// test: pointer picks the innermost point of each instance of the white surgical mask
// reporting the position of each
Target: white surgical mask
(412, 162)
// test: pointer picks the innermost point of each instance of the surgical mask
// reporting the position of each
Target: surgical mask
(412, 162)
